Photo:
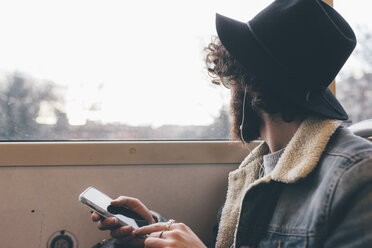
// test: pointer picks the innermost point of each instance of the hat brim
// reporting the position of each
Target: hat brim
(235, 36)
(325, 103)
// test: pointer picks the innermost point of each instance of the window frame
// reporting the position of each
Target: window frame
(110, 153)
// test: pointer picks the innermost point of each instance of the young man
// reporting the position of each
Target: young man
(310, 183)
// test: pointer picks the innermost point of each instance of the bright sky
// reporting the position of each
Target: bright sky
(356, 12)
(137, 62)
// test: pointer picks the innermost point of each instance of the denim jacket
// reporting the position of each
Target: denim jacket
(318, 195)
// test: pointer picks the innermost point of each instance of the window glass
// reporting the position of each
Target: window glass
(354, 83)
(111, 69)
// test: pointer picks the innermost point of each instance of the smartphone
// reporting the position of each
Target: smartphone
(99, 202)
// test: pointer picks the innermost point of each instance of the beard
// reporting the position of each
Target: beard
(252, 120)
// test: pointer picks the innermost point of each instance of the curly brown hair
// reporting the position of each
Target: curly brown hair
(221, 65)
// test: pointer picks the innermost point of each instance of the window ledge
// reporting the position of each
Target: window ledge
(122, 153)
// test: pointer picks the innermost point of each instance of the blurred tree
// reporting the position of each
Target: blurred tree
(354, 85)
(364, 48)
(356, 96)
(220, 128)
(20, 101)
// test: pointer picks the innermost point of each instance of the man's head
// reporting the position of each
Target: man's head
(225, 69)
(286, 56)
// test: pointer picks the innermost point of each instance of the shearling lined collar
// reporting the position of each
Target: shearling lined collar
(304, 150)
(298, 160)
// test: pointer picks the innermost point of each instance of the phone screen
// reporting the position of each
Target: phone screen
(98, 198)
(99, 202)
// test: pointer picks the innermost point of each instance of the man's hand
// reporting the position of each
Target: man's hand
(124, 234)
(178, 236)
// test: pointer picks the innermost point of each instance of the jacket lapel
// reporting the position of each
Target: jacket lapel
(298, 160)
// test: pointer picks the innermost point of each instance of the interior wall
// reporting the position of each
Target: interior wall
(41, 200)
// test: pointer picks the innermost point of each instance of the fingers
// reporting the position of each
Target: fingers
(157, 234)
(108, 223)
(124, 235)
(124, 232)
(129, 202)
(153, 242)
(165, 234)
(95, 217)
(134, 205)
(157, 227)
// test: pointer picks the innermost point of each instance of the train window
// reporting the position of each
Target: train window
(354, 83)
(111, 70)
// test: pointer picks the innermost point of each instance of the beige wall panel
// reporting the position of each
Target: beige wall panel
(117, 153)
(19, 226)
(187, 193)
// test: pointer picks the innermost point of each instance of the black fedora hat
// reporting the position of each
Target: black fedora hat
(294, 46)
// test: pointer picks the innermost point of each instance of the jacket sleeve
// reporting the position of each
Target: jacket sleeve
(350, 212)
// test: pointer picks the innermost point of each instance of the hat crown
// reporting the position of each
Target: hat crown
(308, 40)
(296, 48)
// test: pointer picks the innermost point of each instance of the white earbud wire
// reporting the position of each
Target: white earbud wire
(241, 125)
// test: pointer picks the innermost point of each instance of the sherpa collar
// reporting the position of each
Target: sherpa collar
(298, 160)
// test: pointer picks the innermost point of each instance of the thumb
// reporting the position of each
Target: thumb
(135, 205)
